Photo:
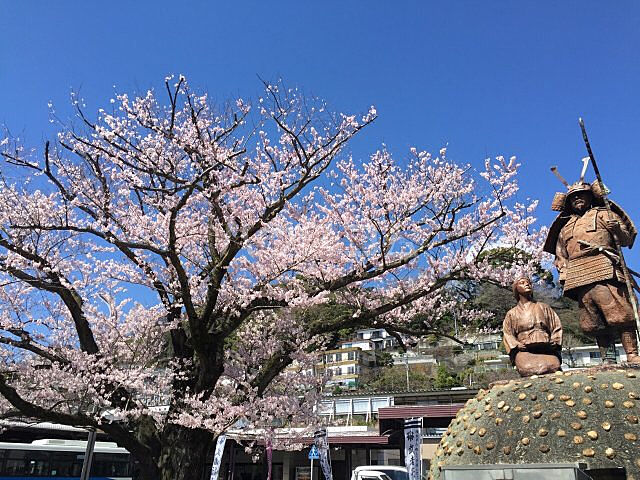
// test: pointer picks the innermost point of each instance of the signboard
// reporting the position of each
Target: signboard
(303, 473)
(314, 454)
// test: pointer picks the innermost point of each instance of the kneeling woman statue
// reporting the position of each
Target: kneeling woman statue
(532, 333)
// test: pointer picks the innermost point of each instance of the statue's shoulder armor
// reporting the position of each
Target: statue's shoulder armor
(625, 219)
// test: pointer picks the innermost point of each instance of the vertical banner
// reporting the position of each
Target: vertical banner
(412, 442)
(269, 448)
(321, 442)
(217, 457)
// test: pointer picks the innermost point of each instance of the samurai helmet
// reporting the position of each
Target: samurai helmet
(580, 186)
(560, 199)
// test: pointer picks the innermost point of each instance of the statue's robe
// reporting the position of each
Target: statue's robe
(537, 327)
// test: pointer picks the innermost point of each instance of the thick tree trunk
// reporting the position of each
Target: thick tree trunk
(183, 453)
(146, 471)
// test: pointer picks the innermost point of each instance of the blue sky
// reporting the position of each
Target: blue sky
(484, 77)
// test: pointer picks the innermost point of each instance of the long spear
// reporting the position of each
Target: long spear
(623, 263)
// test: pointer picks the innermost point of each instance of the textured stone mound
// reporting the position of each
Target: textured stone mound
(588, 416)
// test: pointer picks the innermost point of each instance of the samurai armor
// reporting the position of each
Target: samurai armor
(588, 269)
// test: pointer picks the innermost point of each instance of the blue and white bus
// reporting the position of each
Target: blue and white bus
(62, 459)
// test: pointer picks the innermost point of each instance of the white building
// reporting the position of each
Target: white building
(413, 358)
(366, 345)
(588, 356)
(378, 336)
(483, 341)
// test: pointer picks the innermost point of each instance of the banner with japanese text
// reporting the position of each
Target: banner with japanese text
(412, 443)
(217, 457)
(321, 442)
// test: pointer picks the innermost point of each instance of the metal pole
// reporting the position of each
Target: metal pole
(88, 455)
(623, 263)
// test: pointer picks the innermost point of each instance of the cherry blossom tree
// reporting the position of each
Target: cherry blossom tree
(172, 249)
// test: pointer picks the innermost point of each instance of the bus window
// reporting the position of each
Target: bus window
(110, 465)
(15, 463)
(28, 463)
(37, 463)
(65, 464)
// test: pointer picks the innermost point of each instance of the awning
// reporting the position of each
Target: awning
(427, 411)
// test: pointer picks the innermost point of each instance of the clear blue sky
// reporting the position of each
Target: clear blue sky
(486, 77)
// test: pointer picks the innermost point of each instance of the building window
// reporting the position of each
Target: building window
(594, 355)
(351, 355)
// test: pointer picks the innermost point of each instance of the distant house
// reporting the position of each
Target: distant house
(497, 363)
(587, 356)
(366, 345)
(378, 336)
(344, 366)
(354, 357)
(483, 341)
(413, 358)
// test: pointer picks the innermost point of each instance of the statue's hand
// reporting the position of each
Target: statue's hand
(613, 226)
(521, 346)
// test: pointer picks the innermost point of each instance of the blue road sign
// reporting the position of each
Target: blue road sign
(314, 454)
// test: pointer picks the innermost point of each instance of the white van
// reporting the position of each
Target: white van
(379, 472)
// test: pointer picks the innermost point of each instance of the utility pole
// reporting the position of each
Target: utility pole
(88, 455)
(406, 364)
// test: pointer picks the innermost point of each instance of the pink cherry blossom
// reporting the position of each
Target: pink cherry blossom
(171, 253)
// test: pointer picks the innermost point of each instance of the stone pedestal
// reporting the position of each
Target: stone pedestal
(587, 416)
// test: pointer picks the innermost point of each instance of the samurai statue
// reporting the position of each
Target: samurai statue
(582, 240)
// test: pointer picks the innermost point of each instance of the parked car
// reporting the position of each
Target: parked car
(379, 472)
(371, 475)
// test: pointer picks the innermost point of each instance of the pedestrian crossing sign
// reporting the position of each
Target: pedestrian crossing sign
(314, 454)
